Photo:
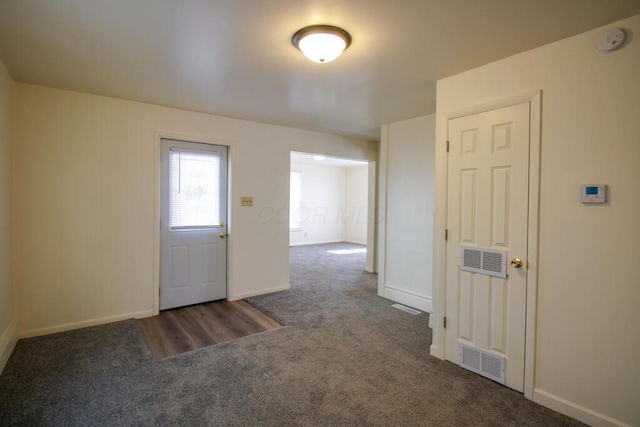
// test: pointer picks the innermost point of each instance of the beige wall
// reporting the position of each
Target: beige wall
(586, 360)
(407, 154)
(334, 204)
(7, 315)
(356, 204)
(323, 196)
(85, 203)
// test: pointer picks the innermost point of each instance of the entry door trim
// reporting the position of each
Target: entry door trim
(440, 224)
(158, 136)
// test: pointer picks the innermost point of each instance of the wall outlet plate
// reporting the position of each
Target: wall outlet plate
(246, 201)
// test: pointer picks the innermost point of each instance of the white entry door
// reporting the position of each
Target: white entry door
(487, 213)
(193, 221)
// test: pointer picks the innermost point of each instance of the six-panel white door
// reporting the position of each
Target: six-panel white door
(487, 205)
(193, 259)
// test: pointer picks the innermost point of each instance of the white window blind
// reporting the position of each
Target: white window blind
(295, 200)
(194, 189)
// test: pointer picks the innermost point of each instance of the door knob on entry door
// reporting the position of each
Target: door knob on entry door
(516, 263)
(223, 235)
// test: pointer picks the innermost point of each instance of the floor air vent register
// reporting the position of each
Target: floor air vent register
(482, 363)
(406, 309)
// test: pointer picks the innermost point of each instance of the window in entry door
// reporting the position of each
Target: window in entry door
(194, 189)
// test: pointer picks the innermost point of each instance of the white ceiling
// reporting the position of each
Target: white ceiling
(235, 58)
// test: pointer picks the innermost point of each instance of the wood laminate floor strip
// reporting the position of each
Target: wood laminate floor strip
(188, 328)
(212, 324)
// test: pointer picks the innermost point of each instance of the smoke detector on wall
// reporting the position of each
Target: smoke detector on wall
(611, 40)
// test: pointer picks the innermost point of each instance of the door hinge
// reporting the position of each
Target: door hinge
(447, 146)
(446, 234)
(444, 322)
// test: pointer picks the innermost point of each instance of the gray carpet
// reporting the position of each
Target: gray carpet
(346, 359)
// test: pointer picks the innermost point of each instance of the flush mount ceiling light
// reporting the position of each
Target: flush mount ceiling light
(319, 157)
(321, 43)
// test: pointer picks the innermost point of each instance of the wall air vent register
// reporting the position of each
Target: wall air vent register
(491, 262)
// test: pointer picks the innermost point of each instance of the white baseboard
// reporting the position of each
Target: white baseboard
(573, 410)
(355, 243)
(82, 324)
(420, 300)
(234, 297)
(8, 341)
(323, 242)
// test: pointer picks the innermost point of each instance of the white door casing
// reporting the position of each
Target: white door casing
(193, 222)
(488, 207)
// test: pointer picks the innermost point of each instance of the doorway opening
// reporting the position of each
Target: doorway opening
(332, 200)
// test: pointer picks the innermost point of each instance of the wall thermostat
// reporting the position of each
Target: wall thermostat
(593, 193)
(611, 39)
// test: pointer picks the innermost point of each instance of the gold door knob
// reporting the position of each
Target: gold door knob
(516, 263)
(223, 235)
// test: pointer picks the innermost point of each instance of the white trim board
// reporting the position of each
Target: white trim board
(372, 188)
(232, 297)
(440, 222)
(579, 412)
(8, 341)
(355, 243)
(322, 242)
(416, 299)
(382, 208)
(29, 333)
(326, 242)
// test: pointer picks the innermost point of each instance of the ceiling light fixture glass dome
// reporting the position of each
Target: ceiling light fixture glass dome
(321, 43)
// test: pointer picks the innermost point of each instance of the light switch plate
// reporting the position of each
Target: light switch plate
(246, 201)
